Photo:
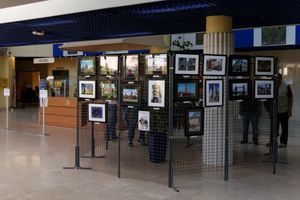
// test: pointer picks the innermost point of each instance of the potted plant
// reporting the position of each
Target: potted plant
(157, 139)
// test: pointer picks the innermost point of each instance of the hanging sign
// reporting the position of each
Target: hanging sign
(6, 92)
(43, 60)
(44, 94)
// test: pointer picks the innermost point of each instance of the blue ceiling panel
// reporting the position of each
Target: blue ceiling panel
(165, 17)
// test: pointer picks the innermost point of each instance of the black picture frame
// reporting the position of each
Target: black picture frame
(186, 90)
(131, 94)
(131, 67)
(214, 92)
(264, 89)
(187, 64)
(156, 64)
(264, 66)
(240, 89)
(87, 66)
(239, 65)
(108, 89)
(93, 111)
(194, 122)
(214, 65)
(108, 65)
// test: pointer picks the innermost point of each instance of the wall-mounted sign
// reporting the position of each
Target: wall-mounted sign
(43, 60)
(3, 82)
(6, 92)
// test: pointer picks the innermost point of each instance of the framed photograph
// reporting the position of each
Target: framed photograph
(264, 89)
(97, 112)
(239, 66)
(108, 90)
(109, 65)
(156, 93)
(87, 89)
(264, 66)
(131, 94)
(156, 64)
(239, 89)
(87, 66)
(131, 67)
(214, 65)
(194, 121)
(144, 121)
(186, 64)
(213, 92)
(186, 90)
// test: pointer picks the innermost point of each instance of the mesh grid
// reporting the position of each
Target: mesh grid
(146, 138)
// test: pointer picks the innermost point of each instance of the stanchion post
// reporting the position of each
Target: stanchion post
(7, 94)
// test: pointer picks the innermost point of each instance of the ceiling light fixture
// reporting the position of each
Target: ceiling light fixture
(38, 33)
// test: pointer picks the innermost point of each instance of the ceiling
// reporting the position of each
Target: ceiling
(164, 17)
(11, 3)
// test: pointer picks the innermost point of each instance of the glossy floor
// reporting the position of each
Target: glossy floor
(31, 169)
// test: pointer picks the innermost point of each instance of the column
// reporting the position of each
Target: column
(218, 39)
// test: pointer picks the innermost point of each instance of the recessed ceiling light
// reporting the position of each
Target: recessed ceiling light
(38, 33)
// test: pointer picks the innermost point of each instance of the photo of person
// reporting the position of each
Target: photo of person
(131, 67)
(144, 120)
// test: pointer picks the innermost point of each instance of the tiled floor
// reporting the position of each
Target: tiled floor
(31, 168)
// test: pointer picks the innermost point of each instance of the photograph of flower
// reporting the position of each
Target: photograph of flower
(239, 89)
(97, 112)
(214, 92)
(186, 90)
(194, 122)
(214, 65)
(156, 64)
(108, 90)
(156, 93)
(87, 66)
(87, 89)
(144, 121)
(264, 66)
(239, 66)
(131, 67)
(264, 89)
(186, 64)
(130, 94)
(109, 65)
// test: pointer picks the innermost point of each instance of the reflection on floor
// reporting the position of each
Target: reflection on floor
(31, 169)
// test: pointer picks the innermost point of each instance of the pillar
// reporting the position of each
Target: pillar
(218, 39)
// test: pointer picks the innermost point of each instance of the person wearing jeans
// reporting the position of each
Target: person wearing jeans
(111, 122)
(130, 116)
(284, 112)
(250, 110)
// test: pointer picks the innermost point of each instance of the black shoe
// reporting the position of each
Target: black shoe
(282, 146)
(269, 144)
(244, 142)
(130, 144)
(142, 142)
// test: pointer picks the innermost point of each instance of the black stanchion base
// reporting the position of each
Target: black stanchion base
(77, 161)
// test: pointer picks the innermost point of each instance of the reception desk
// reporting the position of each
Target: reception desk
(61, 112)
